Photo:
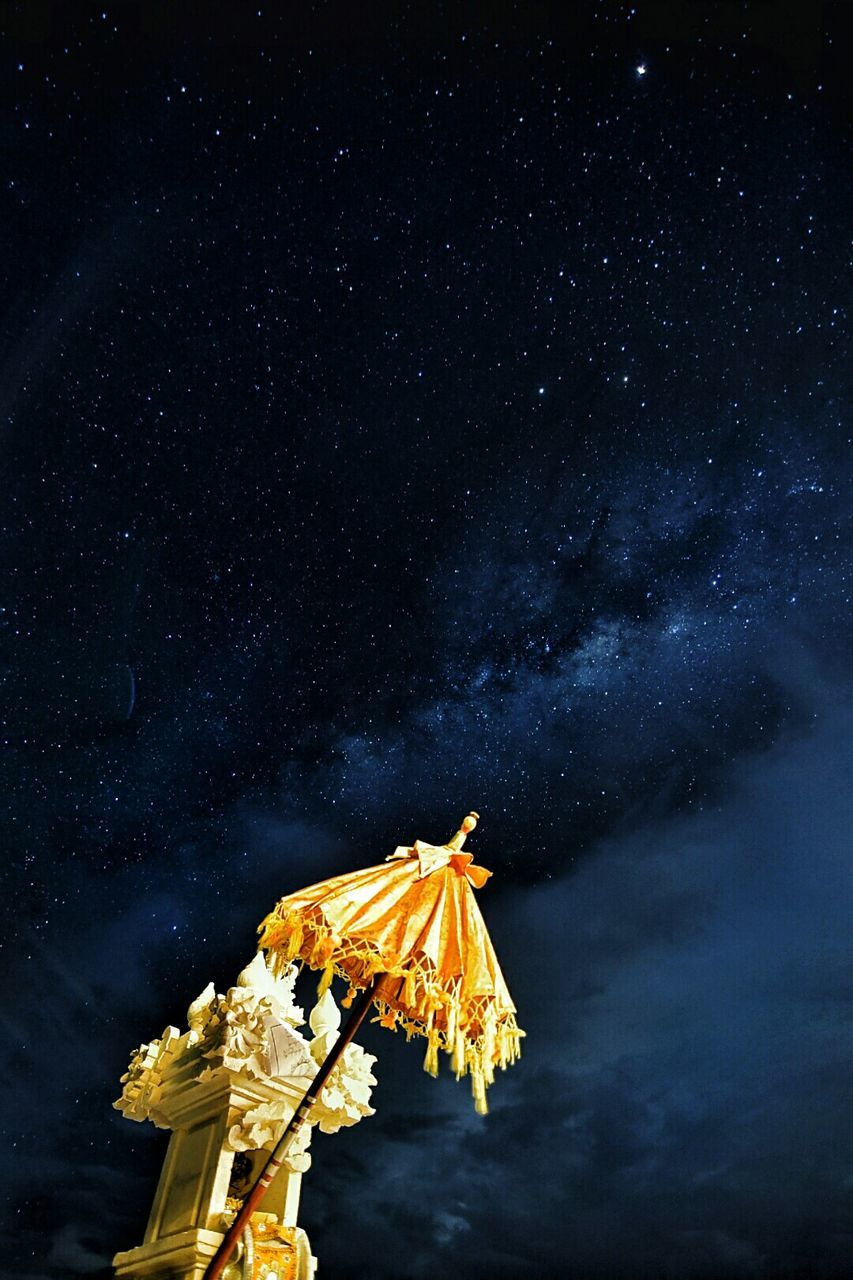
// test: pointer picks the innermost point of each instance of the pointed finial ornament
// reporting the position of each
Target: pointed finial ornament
(468, 824)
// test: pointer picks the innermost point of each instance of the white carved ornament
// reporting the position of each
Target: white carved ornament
(251, 1031)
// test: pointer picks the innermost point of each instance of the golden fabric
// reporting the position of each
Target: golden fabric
(275, 1253)
(416, 919)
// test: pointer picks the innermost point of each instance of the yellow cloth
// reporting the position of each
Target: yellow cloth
(274, 1247)
(415, 918)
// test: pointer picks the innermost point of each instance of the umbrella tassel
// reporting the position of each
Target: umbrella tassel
(294, 941)
(457, 1062)
(452, 1023)
(478, 1089)
(489, 1039)
(503, 1048)
(431, 1058)
(326, 980)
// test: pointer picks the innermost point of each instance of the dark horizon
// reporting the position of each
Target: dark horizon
(409, 410)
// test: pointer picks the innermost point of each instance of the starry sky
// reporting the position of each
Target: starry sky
(409, 408)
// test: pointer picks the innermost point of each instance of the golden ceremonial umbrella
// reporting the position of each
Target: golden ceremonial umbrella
(409, 937)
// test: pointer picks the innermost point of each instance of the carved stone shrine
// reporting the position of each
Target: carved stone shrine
(226, 1088)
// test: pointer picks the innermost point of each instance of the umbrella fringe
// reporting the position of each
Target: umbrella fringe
(477, 1037)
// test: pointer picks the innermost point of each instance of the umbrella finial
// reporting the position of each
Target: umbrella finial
(468, 824)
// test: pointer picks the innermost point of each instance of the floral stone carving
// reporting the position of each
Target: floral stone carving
(250, 1034)
(346, 1098)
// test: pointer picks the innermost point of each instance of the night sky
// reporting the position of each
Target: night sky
(408, 408)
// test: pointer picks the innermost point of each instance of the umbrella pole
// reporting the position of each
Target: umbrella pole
(285, 1142)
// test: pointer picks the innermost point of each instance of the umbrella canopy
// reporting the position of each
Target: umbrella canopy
(415, 919)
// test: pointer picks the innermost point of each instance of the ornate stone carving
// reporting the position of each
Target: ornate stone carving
(250, 1032)
(235, 1034)
(346, 1098)
(143, 1079)
(278, 988)
(252, 1027)
(200, 1013)
(260, 1128)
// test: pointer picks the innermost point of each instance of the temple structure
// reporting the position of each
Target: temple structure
(225, 1088)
